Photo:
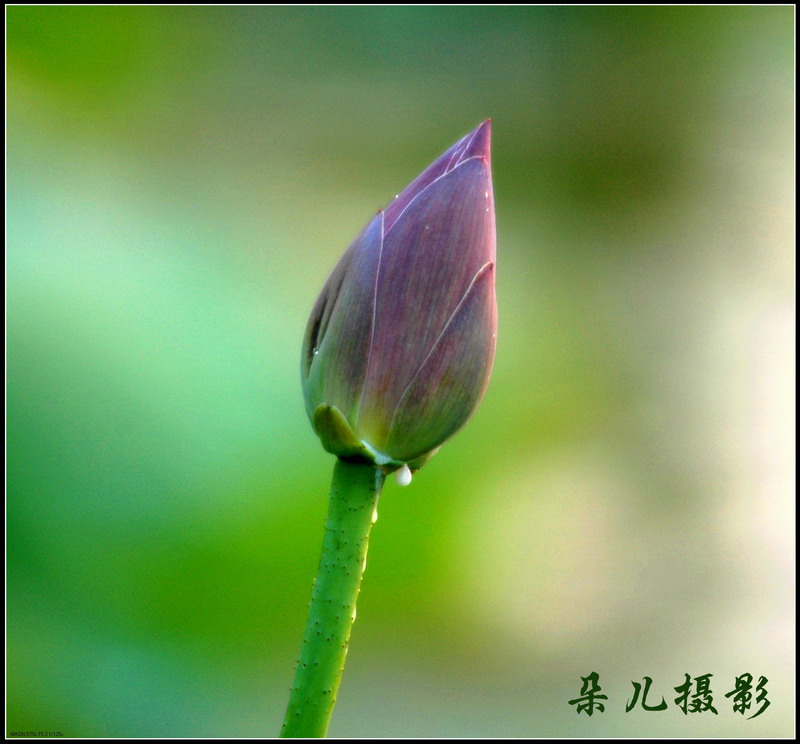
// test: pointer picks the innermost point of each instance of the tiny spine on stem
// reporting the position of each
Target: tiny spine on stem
(351, 513)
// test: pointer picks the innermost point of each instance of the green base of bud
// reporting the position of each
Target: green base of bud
(339, 439)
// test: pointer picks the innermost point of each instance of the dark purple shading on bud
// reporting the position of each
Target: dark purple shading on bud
(400, 344)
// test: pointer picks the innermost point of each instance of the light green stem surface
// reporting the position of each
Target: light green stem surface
(353, 500)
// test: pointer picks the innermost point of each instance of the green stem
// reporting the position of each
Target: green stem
(354, 496)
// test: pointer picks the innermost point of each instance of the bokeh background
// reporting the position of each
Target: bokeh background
(180, 181)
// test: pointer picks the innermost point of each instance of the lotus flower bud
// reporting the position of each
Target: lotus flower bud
(400, 344)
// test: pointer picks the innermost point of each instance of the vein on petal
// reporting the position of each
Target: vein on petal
(456, 150)
(478, 274)
(435, 180)
(466, 147)
(357, 412)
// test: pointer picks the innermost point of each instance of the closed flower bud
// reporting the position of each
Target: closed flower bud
(400, 344)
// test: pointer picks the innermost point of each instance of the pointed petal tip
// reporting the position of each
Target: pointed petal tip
(476, 144)
(480, 142)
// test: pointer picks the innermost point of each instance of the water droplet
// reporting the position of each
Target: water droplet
(375, 515)
(403, 476)
(486, 194)
(427, 227)
(315, 351)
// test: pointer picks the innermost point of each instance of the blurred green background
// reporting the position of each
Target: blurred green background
(180, 183)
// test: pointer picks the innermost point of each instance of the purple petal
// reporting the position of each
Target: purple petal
(337, 343)
(429, 260)
(476, 143)
(453, 378)
(480, 142)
